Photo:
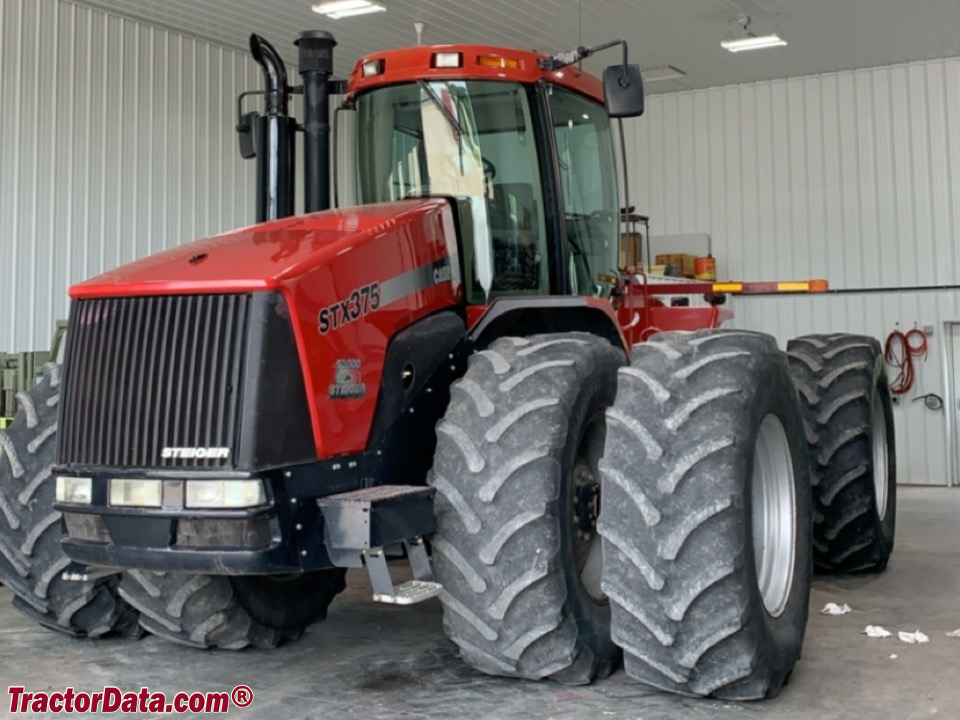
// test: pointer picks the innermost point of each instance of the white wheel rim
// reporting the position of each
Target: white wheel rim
(878, 424)
(774, 521)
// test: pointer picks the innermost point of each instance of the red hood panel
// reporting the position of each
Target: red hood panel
(259, 257)
(352, 280)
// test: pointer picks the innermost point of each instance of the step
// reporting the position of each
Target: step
(411, 592)
(376, 517)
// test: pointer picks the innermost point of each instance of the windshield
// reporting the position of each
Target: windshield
(470, 139)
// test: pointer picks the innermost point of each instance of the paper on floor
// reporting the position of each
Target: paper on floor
(875, 631)
(834, 609)
(913, 638)
(954, 633)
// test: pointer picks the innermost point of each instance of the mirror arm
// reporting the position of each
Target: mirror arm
(240, 98)
(569, 57)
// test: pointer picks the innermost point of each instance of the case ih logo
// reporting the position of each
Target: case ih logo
(195, 453)
(348, 380)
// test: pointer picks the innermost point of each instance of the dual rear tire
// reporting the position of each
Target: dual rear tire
(848, 412)
(706, 516)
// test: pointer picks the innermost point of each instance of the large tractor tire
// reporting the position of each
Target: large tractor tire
(517, 497)
(32, 561)
(706, 515)
(849, 419)
(228, 612)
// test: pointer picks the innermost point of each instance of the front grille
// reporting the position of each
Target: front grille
(146, 373)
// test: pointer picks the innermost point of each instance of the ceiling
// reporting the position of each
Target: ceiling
(823, 35)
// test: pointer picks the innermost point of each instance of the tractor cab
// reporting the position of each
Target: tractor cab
(524, 145)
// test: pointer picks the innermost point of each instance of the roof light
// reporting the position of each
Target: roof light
(662, 72)
(753, 43)
(493, 61)
(447, 60)
(337, 9)
(373, 67)
(750, 41)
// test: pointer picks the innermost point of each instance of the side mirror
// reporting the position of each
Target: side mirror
(247, 130)
(623, 91)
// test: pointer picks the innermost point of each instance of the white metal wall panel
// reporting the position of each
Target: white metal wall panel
(850, 176)
(118, 141)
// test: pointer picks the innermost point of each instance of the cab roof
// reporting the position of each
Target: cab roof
(477, 62)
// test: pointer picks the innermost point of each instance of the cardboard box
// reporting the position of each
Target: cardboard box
(684, 261)
(630, 250)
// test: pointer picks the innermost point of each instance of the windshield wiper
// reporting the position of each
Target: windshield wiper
(448, 116)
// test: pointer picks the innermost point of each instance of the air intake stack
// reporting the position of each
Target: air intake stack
(316, 66)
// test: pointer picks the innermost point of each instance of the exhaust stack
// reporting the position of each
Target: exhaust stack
(274, 137)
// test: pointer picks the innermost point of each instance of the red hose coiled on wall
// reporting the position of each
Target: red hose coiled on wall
(899, 352)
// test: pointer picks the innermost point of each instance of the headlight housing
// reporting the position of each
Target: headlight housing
(74, 490)
(212, 494)
(136, 493)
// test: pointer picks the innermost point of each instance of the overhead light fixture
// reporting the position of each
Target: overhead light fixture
(754, 42)
(661, 72)
(750, 40)
(336, 9)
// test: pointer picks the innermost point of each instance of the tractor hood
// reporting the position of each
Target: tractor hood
(259, 257)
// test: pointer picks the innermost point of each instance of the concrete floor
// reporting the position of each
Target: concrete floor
(374, 661)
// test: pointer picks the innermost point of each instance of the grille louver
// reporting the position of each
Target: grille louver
(146, 373)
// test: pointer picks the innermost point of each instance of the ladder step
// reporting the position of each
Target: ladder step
(376, 494)
(376, 517)
(410, 592)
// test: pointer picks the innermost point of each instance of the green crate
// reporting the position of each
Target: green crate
(20, 371)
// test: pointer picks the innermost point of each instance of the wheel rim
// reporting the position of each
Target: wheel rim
(773, 515)
(586, 508)
(878, 422)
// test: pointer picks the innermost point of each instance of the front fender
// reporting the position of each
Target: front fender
(548, 314)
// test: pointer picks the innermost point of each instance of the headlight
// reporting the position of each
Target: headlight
(224, 493)
(135, 493)
(75, 490)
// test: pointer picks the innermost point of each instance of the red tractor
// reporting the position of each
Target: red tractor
(443, 368)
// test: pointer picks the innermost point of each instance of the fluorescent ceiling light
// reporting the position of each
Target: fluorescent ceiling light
(337, 9)
(753, 42)
(662, 72)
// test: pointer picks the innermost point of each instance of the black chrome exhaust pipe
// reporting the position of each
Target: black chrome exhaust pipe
(316, 66)
(275, 137)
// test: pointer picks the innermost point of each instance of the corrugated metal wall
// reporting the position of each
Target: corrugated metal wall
(116, 140)
(849, 176)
